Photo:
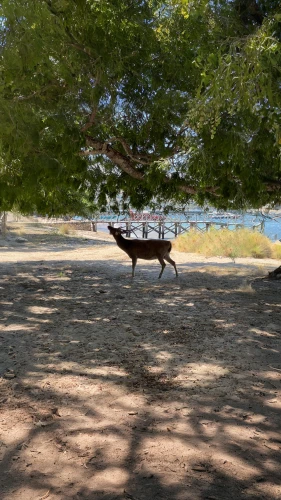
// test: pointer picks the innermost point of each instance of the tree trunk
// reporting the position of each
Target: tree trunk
(3, 223)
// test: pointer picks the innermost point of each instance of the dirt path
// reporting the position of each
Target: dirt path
(113, 389)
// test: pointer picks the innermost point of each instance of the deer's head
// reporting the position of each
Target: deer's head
(116, 231)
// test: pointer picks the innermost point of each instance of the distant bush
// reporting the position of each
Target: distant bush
(64, 229)
(226, 243)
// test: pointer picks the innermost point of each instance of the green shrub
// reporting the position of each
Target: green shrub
(226, 243)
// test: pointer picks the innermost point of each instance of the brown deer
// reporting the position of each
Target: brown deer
(276, 274)
(144, 249)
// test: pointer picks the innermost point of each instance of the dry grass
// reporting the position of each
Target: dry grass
(276, 251)
(226, 243)
(21, 232)
(65, 229)
(246, 288)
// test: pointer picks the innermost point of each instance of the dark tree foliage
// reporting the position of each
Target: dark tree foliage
(144, 100)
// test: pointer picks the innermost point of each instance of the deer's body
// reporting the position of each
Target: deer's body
(144, 249)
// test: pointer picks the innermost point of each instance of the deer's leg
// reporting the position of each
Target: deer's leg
(171, 261)
(162, 262)
(134, 262)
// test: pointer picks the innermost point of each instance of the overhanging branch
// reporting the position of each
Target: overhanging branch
(123, 162)
(127, 164)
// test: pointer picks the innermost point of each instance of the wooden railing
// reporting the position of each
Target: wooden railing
(174, 228)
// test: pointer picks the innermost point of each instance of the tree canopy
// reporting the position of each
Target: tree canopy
(144, 99)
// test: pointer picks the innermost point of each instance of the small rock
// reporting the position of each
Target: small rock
(9, 375)
(199, 468)
(19, 239)
(134, 332)
(127, 327)
(55, 411)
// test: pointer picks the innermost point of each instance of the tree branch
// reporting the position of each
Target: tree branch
(126, 164)
(91, 120)
(145, 159)
(115, 156)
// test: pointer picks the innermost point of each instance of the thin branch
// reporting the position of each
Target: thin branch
(77, 46)
(37, 92)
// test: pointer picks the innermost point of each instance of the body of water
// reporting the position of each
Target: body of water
(272, 224)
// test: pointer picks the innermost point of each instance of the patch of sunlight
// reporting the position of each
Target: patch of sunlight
(154, 370)
(269, 350)
(162, 301)
(59, 297)
(200, 375)
(37, 320)
(164, 355)
(208, 369)
(14, 327)
(223, 323)
(271, 375)
(103, 371)
(262, 333)
(42, 309)
(128, 402)
(273, 403)
(110, 477)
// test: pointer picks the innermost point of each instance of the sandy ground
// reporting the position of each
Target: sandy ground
(144, 389)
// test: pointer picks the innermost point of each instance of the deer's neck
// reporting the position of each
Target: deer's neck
(122, 242)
